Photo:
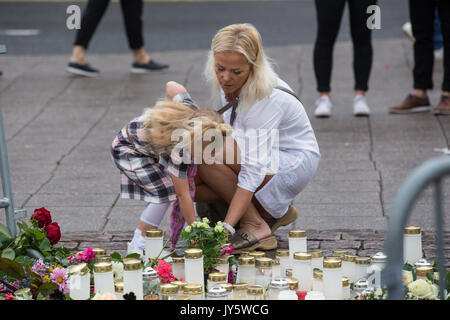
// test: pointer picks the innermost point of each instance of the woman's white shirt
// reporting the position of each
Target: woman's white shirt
(271, 136)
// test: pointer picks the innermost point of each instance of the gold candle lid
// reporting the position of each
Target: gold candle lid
(316, 254)
(302, 256)
(79, 269)
(318, 274)
(182, 297)
(362, 260)
(297, 234)
(132, 264)
(103, 267)
(193, 289)
(155, 233)
(422, 271)
(103, 259)
(227, 286)
(223, 260)
(177, 260)
(257, 254)
(193, 253)
(340, 252)
(217, 277)
(263, 262)
(246, 261)
(345, 282)
(282, 253)
(289, 273)
(240, 286)
(332, 263)
(349, 258)
(168, 289)
(412, 230)
(99, 252)
(118, 287)
(255, 290)
(180, 284)
(244, 253)
(293, 283)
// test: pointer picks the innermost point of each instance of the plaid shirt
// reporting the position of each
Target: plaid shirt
(143, 175)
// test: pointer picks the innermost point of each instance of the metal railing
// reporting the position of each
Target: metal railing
(7, 201)
(432, 172)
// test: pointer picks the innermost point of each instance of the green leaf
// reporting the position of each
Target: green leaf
(134, 255)
(5, 234)
(11, 268)
(35, 254)
(116, 257)
(47, 288)
(45, 245)
(8, 253)
(34, 277)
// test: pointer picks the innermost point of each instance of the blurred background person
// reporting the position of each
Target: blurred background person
(132, 16)
(329, 15)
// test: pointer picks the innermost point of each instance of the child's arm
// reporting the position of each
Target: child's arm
(184, 198)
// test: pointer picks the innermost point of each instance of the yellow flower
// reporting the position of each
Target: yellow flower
(407, 277)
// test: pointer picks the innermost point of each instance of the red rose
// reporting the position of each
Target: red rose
(53, 232)
(43, 217)
(301, 295)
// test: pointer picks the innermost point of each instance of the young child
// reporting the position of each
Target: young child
(152, 166)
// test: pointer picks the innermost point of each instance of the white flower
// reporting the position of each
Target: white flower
(117, 270)
(219, 227)
(407, 277)
(188, 229)
(205, 220)
(422, 289)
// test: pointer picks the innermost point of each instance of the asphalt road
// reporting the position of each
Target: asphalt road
(181, 25)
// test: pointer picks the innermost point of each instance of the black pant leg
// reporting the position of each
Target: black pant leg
(362, 42)
(329, 15)
(444, 17)
(422, 21)
(93, 13)
(132, 16)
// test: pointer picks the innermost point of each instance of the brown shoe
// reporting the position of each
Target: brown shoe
(412, 104)
(443, 106)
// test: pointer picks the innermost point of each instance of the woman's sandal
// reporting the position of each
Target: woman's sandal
(244, 240)
(290, 216)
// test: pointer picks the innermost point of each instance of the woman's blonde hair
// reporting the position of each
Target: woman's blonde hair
(160, 122)
(244, 39)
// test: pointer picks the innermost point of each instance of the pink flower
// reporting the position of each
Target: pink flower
(59, 276)
(86, 255)
(9, 296)
(39, 267)
(227, 249)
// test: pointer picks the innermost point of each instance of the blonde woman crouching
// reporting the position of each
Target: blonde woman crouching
(260, 197)
(153, 152)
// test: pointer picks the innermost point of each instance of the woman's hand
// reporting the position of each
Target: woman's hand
(173, 88)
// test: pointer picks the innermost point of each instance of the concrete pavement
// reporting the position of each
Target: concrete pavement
(59, 129)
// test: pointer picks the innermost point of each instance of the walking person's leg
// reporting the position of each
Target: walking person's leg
(422, 20)
(443, 106)
(362, 53)
(329, 14)
(132, 11)
(92, 14)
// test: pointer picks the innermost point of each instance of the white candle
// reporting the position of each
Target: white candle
(103, 278)
(118, 288)
(79, 282)
(132, 277)
(285, 262)
(153, 243)
(318, 280)
(246, 270)
(315, 295)
(223, 265)
(316, 259)
(276, 268)
(361, 265)
(255, 292)
(287, 295)
(349, 267)
(239, 291)
(215, 278)
(412, 245)
(345, 288)
(194, 291)
(193, 266)
(178, 267)
(302, 271)
(379, 259)
(168, 290)
(332, 279)
(217, 292)
(297, 242)
(263, 275)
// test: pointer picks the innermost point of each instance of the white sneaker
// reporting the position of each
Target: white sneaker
(360, 107)
(132, 249)
(323, 107)
(439, 54)
(407, 29)
(137, 244)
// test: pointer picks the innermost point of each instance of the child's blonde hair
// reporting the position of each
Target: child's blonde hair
(167, 116)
